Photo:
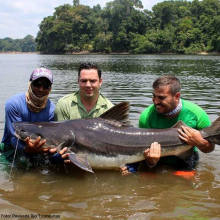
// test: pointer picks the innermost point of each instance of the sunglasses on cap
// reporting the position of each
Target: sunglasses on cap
(38, 84)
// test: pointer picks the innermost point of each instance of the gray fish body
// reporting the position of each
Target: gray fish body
(107, 144)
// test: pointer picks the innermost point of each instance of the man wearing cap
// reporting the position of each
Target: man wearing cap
(30, 106)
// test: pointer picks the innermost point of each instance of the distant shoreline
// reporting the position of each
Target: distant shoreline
(17, 52)
(113, 53)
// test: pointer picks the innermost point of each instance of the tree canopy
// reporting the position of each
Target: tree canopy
(175, 26)
(27, 44)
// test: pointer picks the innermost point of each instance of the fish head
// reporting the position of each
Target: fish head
(49, 131)
(22, 131)
(25, 129)
(22, 134)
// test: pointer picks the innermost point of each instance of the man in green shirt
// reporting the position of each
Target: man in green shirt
(167, 109)
(87, 102)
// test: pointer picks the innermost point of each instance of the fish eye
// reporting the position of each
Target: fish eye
(23, 134)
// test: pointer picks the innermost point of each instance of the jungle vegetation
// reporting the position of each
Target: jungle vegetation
(124, 26)
(179, 26)
(26, 44)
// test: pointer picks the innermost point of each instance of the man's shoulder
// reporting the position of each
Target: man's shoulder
(146, 116)
(17, 98)
(192, 106)
(67, 98)
(51, 104)
(17, 95)
(16, 103)
(194, 112)
(149, 110)
(188, 103)
(104, 101)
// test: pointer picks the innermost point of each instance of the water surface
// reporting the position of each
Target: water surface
(151, 194)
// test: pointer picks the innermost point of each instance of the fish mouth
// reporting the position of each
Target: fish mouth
(17, 134)
(21, 134)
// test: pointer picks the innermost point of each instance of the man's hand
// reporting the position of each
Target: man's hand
(35, 146)
(129, 168)
(153, 154)
(64, 155)
(60, 157)
(194, 138)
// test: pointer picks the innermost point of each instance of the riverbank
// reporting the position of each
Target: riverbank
(18, 52)
(96, 53)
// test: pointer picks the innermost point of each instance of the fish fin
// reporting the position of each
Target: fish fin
(179, 124)
(80, 161)
(118, 113)
(60, 146)
(68, 142)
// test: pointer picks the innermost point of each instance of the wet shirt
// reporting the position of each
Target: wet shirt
(16, 110)
(71, 107)
(191, 114)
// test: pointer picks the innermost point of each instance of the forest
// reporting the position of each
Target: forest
(26, 44)
(124, 26)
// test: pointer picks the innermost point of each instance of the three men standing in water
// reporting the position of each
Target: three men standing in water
(88, 102)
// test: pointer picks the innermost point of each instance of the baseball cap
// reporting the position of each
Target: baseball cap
(41, 72)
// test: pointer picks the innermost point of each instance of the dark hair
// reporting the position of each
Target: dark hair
(89, 66)
(168, 80)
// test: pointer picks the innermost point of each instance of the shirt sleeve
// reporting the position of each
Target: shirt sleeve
(109, 104)
(203, 120)
(144, 118)
(11, 115)
(59, 113)
(51, 111)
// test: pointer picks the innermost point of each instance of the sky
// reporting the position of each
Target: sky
(18, 18)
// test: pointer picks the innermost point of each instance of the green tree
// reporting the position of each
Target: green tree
(123, 25)
(28, 44)
(75, 3)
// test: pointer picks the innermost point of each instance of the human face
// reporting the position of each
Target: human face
(41, 87)
(89, 84)
(164, 101)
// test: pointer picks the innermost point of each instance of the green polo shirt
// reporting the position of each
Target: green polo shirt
(191, 114)
(71, 107)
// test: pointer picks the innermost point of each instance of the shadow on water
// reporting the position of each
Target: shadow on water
(152, 193)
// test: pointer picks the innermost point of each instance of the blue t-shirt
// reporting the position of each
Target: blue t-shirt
(16, 110)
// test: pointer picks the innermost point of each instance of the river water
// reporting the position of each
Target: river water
(152, 194)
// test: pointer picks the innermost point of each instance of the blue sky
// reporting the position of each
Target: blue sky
(19, 18)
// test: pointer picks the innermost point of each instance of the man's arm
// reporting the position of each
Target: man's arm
(193, 137)
(12, 114)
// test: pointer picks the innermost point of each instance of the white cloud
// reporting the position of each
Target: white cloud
(22, 17)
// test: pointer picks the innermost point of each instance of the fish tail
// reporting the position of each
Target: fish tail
(213, 132)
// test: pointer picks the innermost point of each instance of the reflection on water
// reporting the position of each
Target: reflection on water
(152, 194)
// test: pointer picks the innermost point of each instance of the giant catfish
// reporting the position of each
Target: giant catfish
(109, 141)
